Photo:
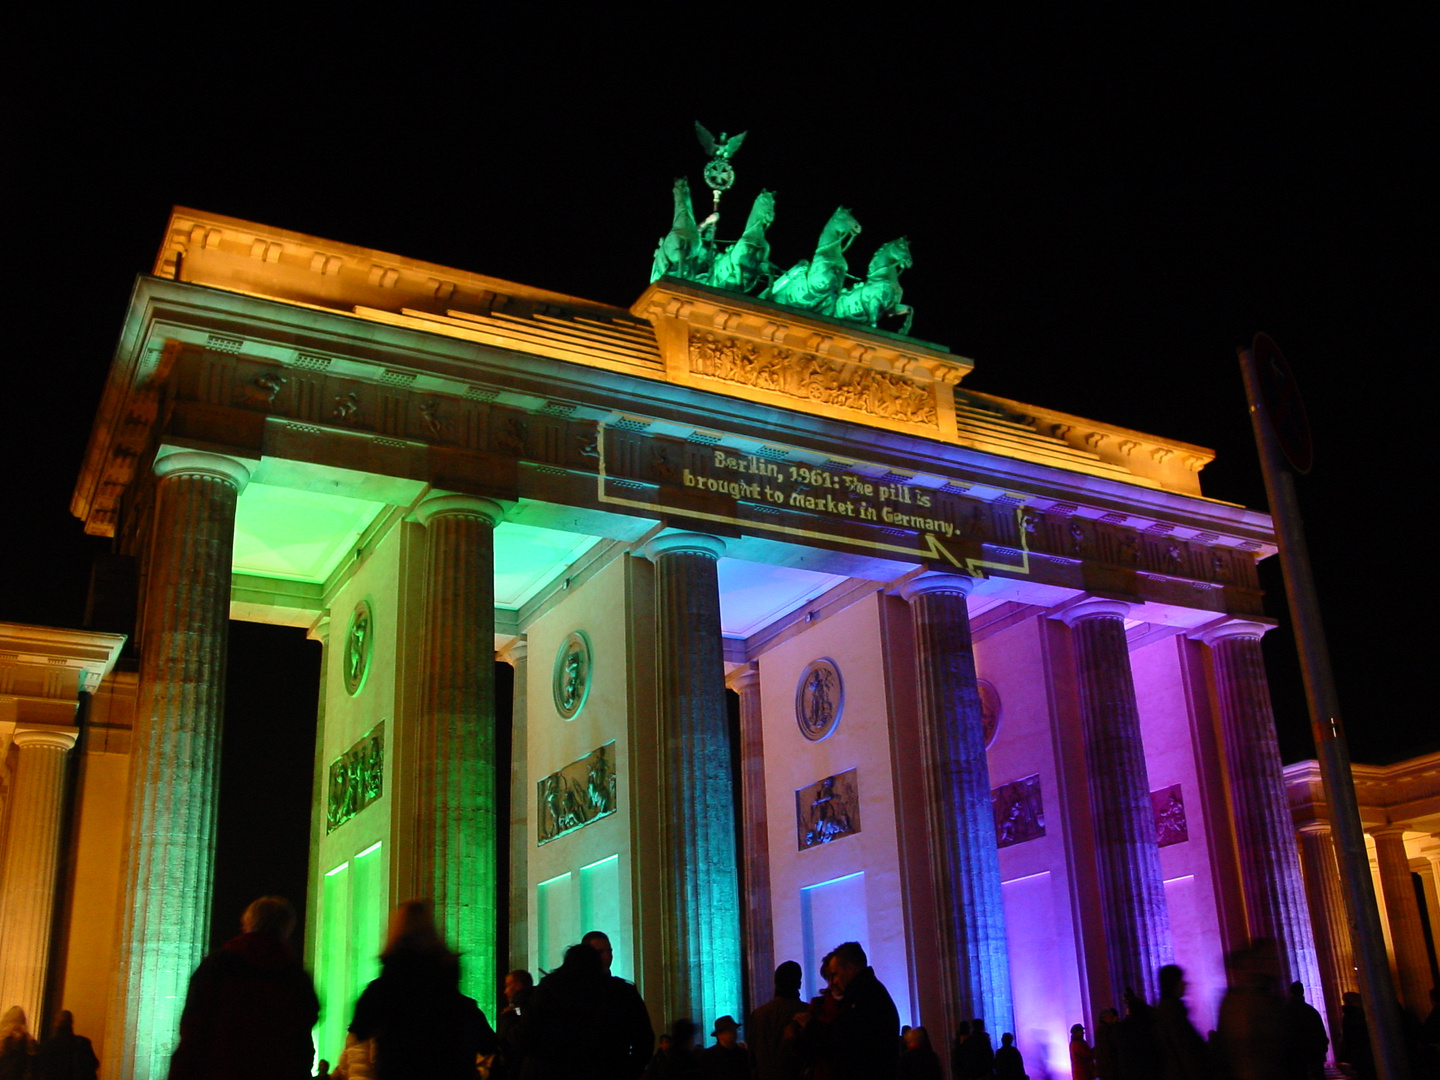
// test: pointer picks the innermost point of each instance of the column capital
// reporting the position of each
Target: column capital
(937, 581)
(687, 542)
(1392, 829)
(1316, 827)
(515, 653)
(320, 630)
(1239, 628)
(1095, 608)
(744, 676)
(57, 738)
(447, 504)
(203, 463)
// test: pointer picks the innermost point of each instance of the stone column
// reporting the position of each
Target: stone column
(1137, 922)
(319, 793)
(759, 928)
(960, 819)
(1407, 937)
(1329, 918)
(32, 858)
(457, 819)
(175, 753)
(522, 794)
(703, 885)
(1269, 867)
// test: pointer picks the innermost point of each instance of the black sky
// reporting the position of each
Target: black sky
(1101, 206)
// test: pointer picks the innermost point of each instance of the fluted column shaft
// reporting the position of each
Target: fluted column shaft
(32, 856)
(1328, 916)
(975, 964)
(457, 818)
(704, 899)
(175, 752)
(1269, 866)
(1137, 922)
(520, 796)
(1402, 913)
(759, 923)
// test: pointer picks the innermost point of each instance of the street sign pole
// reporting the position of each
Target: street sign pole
(1271, 391)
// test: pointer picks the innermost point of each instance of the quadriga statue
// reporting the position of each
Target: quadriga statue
(814, 284)
(683, 252)
(879, 294)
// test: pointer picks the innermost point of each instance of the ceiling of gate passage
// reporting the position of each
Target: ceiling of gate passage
(296, 535)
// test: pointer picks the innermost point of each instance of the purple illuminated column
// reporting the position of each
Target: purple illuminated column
(759, 931)
(1402, 914)
(703, 885)
(175, 754)
(1137, 922)
(1328, 917)
(455, 738)
(1269, 868)
(960, 820)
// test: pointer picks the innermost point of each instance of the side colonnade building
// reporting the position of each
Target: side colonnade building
(1002, 716)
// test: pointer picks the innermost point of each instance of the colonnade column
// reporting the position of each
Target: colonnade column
(759, 924)
(1269, 867)
(27, 905)
(975, 963)
(704, 893)
(1137, 921)
(1402, 913)
(1328, 917)
(457, 818)
(175, 753)
(520, 795)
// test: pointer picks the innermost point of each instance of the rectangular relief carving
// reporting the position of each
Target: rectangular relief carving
(357, 779)
(1170, 827)
(827, 809)
(1019, 811)
(573, 797)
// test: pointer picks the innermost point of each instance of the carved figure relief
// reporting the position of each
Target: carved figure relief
(989, 709)
(886, 394)
(357, 779)
(819, 699)
(357, 647)
(827, 809)
(571, 681)
(1019, 811)
(430, 413)
(573, 797)
(347, 408)
(1170, 826)
(261, 390)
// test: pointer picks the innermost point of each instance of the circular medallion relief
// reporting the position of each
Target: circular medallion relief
(571, 681)
(357, 646)
(819, 699)
(989, 709)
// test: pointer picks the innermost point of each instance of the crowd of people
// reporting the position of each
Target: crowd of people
(251, 1008)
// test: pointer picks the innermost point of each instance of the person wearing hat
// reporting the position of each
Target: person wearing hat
(726, 1060)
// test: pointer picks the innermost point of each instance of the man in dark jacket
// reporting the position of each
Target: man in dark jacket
(770, 1058)
(250, 1006)
(585, 1024)
(862, 1042)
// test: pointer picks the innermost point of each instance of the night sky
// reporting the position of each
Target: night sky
(1101, 207)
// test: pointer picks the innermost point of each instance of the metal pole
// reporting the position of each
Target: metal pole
(1372, 964)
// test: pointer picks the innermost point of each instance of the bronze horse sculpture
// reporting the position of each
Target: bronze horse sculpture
(683, 252)
(746, 262)
(815, 284)
(879, 294)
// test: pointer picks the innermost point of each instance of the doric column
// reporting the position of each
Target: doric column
(457, 819)
(704, 893)
(1328, 917)
(759, 928)
(175, 753)
(521, 794)
(1402, 913)
(1269, 867)
(1137, 922)
(319, 790)
(32, 856)
(960, 820)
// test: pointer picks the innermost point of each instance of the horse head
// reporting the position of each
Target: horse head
(896, 253)
(840, 229)
(762, 211)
